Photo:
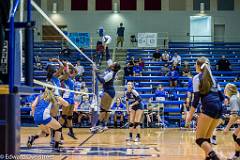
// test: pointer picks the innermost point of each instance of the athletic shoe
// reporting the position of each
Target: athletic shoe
(213, 141)
(137, 139)
(56, 147)
(105, 128)
(72, 135)
(30, 141)
(234, 158)
(129, 139)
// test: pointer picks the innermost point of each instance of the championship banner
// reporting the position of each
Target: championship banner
(147, 40)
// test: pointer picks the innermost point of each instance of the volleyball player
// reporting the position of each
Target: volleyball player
(231, 91)
(41, 108)
(108, 94)
(206, 89)
(53, 74)
(67, 111)
(135, 110)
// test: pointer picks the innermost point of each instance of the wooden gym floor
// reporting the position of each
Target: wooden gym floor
(165, 144)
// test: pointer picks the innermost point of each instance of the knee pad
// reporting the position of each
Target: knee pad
(69, 118)
(131, 124)
(200, 141)
(238, 141)
(136, 124)
(234, 137)
(47, 134)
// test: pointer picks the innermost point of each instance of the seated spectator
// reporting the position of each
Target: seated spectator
(173, 76)
(65, 53)
(128, 70)
(82, 112)
(223, 64)
(84, 89)
(141, 63)
(99, 53)
(165, 69)
(118, 108)
(165, 56)
(133, 40)
(38, 64)
(157, 55)
(77, 97)
(176, 59)
(137, 70)
(186, 69)
(176, 67)
(160, 95)
(132, 61)
(80, 70)
(150, 113)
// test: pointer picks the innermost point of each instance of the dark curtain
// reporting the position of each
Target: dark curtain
(79, 5)
(103, 4)
(152, 4)
(128, 4)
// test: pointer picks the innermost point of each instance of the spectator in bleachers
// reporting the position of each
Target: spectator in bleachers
(160, 94)
(84, 89)
(157, 55)
(132, 61)
(137, 70)
(82, 111)
(186, 69)
(150, 113)
(120, 35)
(99, 52)
(128, 70)
(118, 108)
(133, 40)
(223, 64)
(176, 59)
(173, 76)
(165, 69)
(37, 64)
(65, 53)
(106, 40)
(80, 70)
(165, 56)
(141, 63)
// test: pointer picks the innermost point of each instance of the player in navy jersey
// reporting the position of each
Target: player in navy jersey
(207, 91)
(135, 110)
(41, 108)
(107, 81)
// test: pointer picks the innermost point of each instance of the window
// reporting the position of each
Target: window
(79, 5)
(60, 5)
(103, 4)
(176, 5)
(152, 4)
(128, 4)
(225, 5)
(196, 4)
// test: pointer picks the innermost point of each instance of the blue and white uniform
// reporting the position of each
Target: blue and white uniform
(69, 96)
(234, 105)
(56, 82)
(132, 97)
(42, 112)
(211, 102)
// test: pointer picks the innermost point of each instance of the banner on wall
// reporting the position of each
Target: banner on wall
(80, 39)
(147, 39)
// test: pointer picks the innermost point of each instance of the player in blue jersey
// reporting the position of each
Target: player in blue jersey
(41, 108)
(67, 111)
(135, 110)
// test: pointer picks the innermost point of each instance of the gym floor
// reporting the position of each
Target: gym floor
(169, 144)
